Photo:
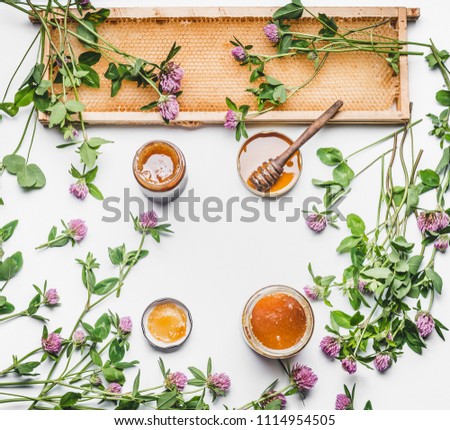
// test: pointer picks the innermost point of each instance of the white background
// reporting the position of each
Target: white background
(214, 267)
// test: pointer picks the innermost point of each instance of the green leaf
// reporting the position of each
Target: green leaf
(197, 373)
(131, 256)
(356, 319)
(401, 244)
(330, 156)
(87, 32)
(69, 399)
(341, 319)
(116, 351)
(88, 155)
(274, 405)
(8, 230)
(414, 264)
(90, 58)
(74, 106)
(95, 192)
(430, 178)
(112, 72)
(166, 400)
(14, 163)
(11, 266)
(24, 97)
(6, 308)
(96, 142)
(112, 374)
(443, 97)
(38, 175)
(290, 11)
(435, 279)
(285, 44)
(9, 108)
(104, 324)
(95, 357)
(356, 225)
(58, 114)
(378, 273)
(348, 243)
(343, 174)
(98, 17)
(26, 369)
(136, 383)
(91, 79)
(116, 255)
(105, 286)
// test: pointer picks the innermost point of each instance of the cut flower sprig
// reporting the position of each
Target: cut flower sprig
(390, 275)
(271, 92)
(52, 87)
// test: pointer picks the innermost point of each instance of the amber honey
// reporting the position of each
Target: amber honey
(278, 321)
(160, 169)
(167, 322)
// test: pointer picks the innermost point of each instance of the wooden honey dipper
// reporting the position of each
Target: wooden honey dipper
(268, 173)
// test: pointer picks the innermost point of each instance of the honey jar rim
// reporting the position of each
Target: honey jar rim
(149, 338)
(257, 345)
(174, 182)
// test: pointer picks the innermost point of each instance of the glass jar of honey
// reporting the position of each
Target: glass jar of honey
(277, 322)
(160, 170)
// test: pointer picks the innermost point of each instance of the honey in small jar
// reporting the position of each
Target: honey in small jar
(160, 170)
(278, 321)
(167, 322)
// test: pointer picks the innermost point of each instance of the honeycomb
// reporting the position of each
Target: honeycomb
(363, 80)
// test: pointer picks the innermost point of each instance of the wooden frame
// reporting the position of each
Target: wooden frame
(401, 114)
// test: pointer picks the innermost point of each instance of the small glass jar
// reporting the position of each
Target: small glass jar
(158, 343)
(160, 170)
(248, 331)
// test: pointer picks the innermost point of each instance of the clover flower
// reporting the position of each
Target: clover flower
(271, 31)
(51, 297)
(349, 365)
(176, 380)
(362, 287)
(79, 189)
(425, 324)
(114, 388)
(168, 107)
(52, 343)
(148, 220)
(170, 78)
(432, 221)
(303, 377)
(219, 381)
(77, 229)
(231, 119)
(95, 380)
(316, 222)
(271, 396)
(342, 402)
(441, 244)
(125, 325)
(382, 362)
(313, 292)
(239, 54)
(78, 338)
(330, 346)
